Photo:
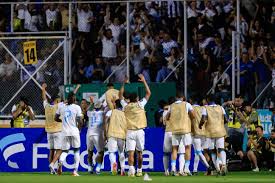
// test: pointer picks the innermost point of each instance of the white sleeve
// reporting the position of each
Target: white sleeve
(109, 113)
(143, 102)
(13, 108)
(189, 107)
(45, 103)
(203, 111)
(223, 111)
(79, 112)
(164, 114)
(123, 103)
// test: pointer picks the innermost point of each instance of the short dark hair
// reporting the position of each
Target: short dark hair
(162, 103)
(55, 97)
(260, 127)
(24, 99)
(70, 98)
(118, 104)
(171, 100)
(273, 131)
(110, 85)
(211, 98)
(133, 97)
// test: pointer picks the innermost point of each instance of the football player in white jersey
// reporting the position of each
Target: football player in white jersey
(95, 136)
(71, 118)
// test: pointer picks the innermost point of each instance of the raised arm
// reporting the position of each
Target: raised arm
(121, 91)
(147, 89)
(30, 111)
(44, 96)
(77, 88)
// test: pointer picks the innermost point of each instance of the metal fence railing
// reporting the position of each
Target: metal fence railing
(27, 63)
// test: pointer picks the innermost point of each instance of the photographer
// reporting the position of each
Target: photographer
(235, 127)
(250, 117)
(257, 148)
(270, 145)
(22, 113)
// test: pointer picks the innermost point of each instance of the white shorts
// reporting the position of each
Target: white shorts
(205, 143)
(167, 144)
(71, 141)
(96, 141)
(135, 140)
(216, 143)
(181, 149)
(197, 143)
(186, 139)
(116, 144)
(55, 140)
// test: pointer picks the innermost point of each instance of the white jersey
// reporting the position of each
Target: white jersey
(68, 114)
(96, 120)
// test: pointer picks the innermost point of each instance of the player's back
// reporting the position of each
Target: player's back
(69, 114)
(95, 125)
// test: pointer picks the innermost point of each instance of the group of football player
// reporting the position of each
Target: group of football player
(117, 121)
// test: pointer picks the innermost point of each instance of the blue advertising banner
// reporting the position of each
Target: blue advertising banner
(265, 117)
(25, 150)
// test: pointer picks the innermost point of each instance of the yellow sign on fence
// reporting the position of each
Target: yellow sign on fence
(30, 54)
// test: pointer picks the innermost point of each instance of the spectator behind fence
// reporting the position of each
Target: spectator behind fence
(22, 113)
(7, 69)
(221, 83)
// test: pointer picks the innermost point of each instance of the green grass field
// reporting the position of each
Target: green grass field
(156, 177)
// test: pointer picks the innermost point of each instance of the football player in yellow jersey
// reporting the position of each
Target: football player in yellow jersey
(52, 127)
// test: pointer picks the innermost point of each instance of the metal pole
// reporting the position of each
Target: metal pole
(233, 65)
(11, 21)
(238, 46)
(185, 47)
(128, 39)
(65, 48)
(70, 44)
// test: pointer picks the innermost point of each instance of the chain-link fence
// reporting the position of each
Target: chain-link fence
(26, 63)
